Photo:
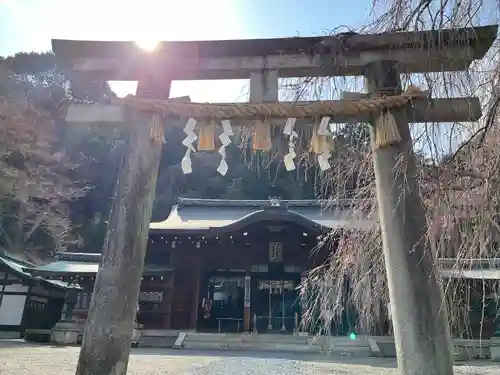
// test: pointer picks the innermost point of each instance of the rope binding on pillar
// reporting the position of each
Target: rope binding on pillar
(386, 128)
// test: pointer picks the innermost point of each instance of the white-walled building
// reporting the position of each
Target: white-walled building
(27, 302)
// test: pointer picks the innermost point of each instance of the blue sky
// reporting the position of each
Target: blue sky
(29, 25)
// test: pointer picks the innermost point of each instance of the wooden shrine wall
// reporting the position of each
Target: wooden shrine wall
(187, 263)
(194, 264)
(170, 301)
(243, 253)
(155, 301)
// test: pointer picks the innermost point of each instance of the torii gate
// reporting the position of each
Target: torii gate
(420, 324)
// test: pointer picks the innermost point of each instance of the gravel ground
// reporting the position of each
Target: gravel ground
(19, 358)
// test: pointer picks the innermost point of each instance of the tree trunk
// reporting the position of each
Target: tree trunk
(108, 332)
(418, 312)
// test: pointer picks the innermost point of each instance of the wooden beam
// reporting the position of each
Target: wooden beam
(354, 95)
(105, 114)
(445, 110)
(480, 38)
(264, 86)
(434, 110)
(96, 113)
(449, 58)
(233, 59)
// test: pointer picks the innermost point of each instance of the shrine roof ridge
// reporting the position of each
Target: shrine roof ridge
(260, 203)
(281, 46)
(24, 272)
(84, 264)
(77, 257)
(216, 216)
(470, 263)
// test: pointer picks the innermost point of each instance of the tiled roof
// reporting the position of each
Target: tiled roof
(212, 215)
(83, 264)
(24, 273)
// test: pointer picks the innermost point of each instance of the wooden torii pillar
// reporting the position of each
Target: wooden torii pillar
(422, 337)
(108, 333)
(418, 313)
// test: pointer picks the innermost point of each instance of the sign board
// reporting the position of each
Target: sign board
(275, 252)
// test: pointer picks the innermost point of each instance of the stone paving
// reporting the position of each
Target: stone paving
(18, 358)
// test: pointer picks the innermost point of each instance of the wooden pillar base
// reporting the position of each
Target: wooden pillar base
(246, 319)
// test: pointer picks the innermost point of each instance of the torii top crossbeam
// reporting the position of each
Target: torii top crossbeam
(416, 52)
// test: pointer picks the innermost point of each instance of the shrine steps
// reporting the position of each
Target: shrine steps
(222, 341)
(276, 343)
(362, 346)
(9, 335)
(344, 346)
(157, 338)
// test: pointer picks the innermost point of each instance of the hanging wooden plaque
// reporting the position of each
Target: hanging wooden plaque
(275, 252)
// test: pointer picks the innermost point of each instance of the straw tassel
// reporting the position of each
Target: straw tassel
(386, 130)
(156, 132)
(262, 136)
(206, 141)
(319, 143)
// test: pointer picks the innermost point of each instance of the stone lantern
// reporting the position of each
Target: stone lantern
(68, 331)
(70, 302)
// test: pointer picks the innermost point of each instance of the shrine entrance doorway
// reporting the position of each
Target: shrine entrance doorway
(276, 304)
(222, 307)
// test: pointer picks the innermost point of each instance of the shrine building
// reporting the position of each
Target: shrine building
(222, 265)
(235, 266)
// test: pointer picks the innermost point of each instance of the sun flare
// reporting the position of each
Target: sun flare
(147, 44)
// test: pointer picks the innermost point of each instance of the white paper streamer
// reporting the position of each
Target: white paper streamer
(226, 126)
(225, 141)
(186, 164)
(323, 128)
(323, 162)
(288, 159)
